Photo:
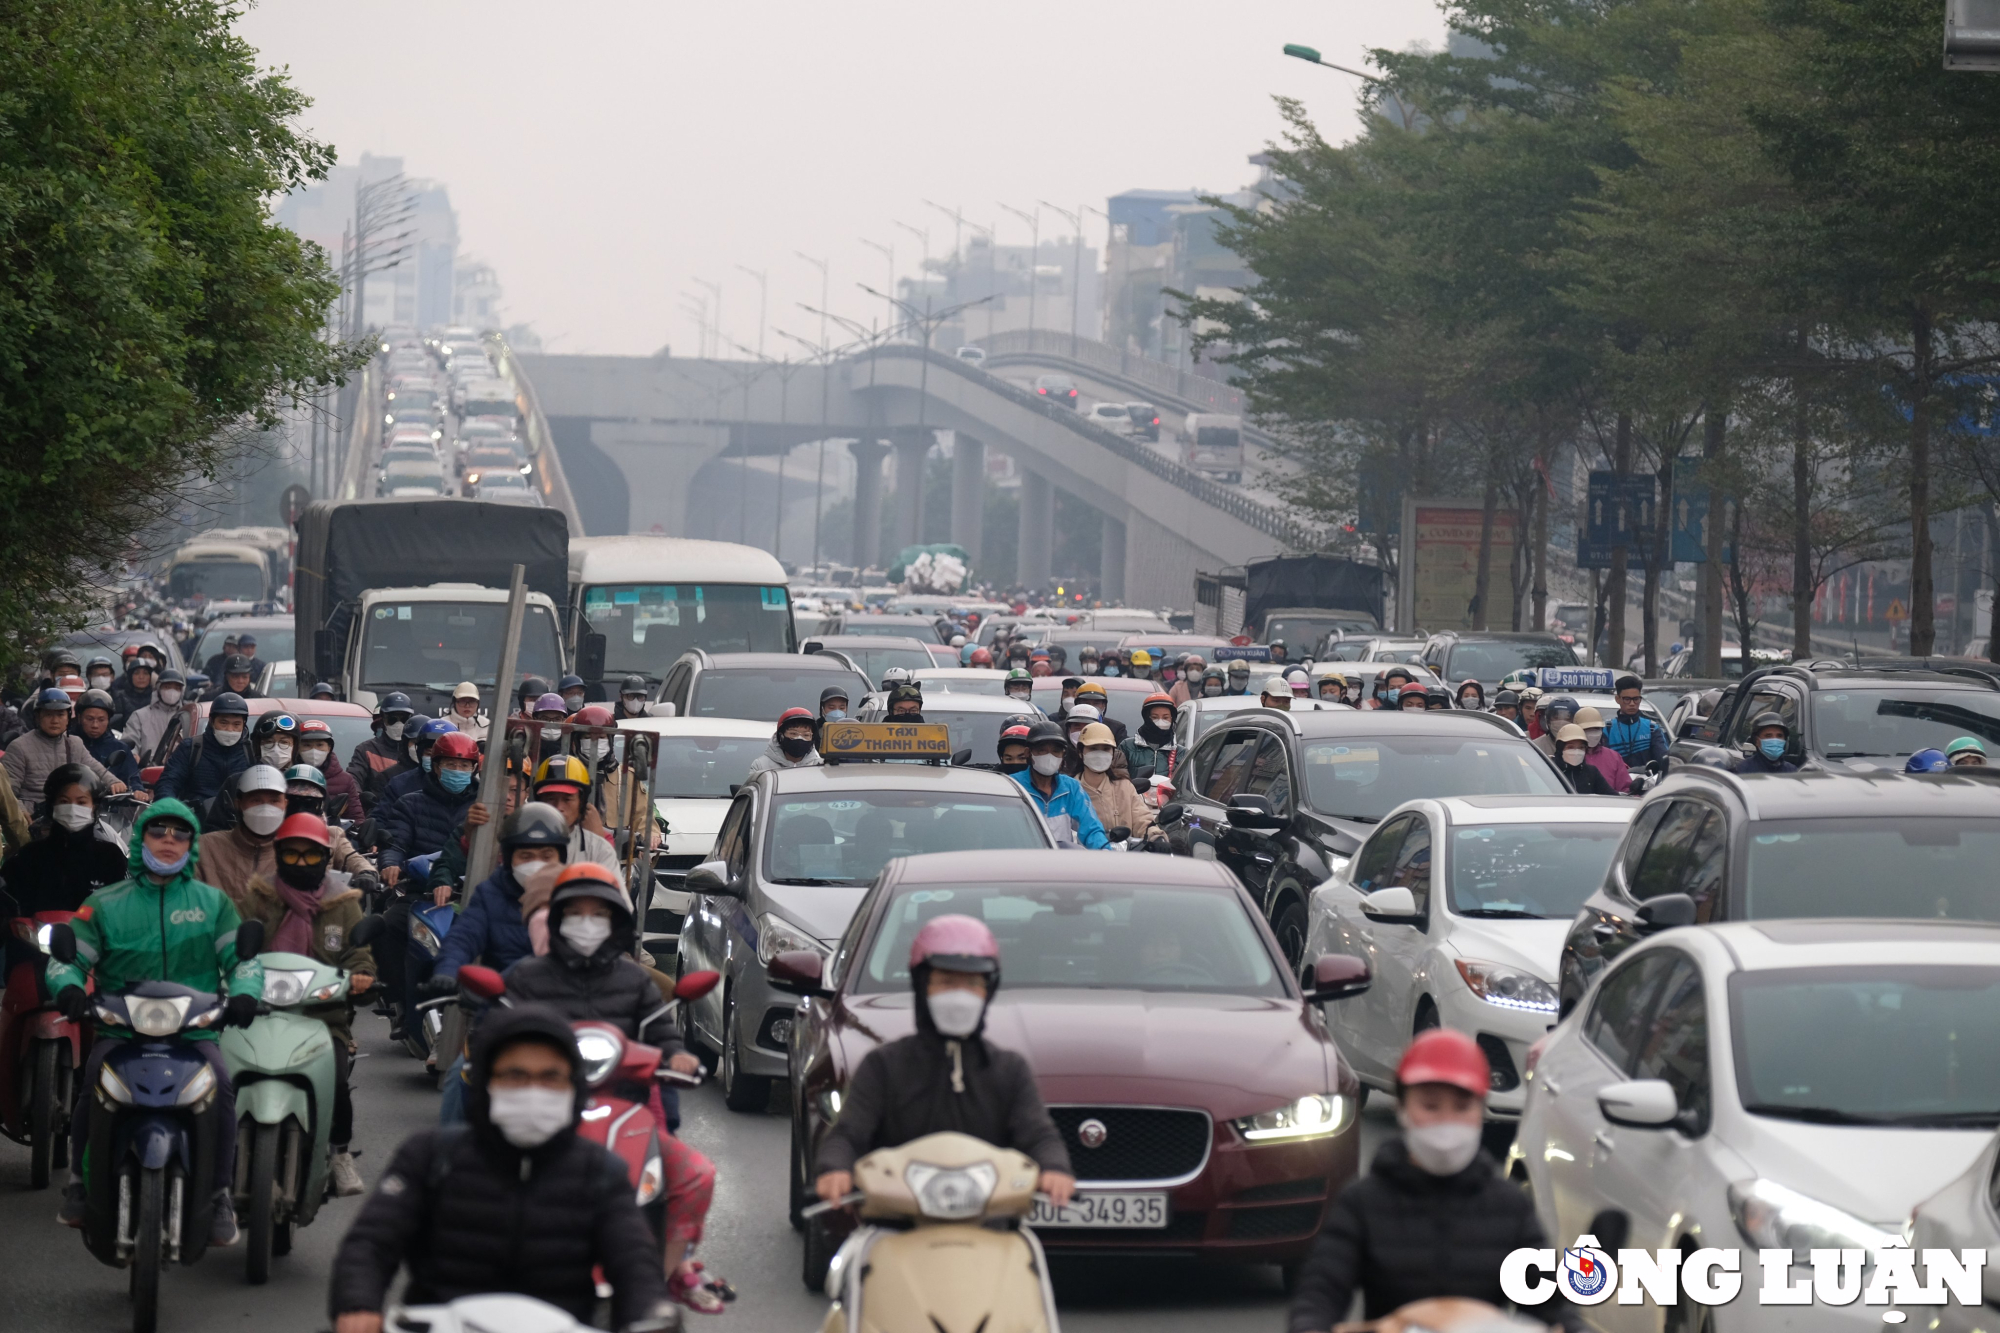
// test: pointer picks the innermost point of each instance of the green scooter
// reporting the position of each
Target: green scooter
(283, 1068)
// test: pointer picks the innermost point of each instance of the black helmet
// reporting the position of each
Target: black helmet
(569, 683)
(173, 677)
(64, 657)
(228, 704)
(1715, 757)
(533, 688)
(832, 692)
(1769, 719)
(237, 665)
(634, 684)
(322, 689)
(1506, 699)
(1044, 731)
(99, 661)
(275, 724)
(536, 825)
(1436, 696)
(95, 699)
(394, 702)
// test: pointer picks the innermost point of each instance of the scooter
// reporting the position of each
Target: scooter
(506, 1313)
(40, 1050)
(429, 924)
(153, 1129)
(284, 1067)
(942, 1244)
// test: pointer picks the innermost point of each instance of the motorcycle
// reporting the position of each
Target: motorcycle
(942, 1244)
(506, 1313)
(284, 1067)
(153, 1129)
(40, 1050)
(422, 1025)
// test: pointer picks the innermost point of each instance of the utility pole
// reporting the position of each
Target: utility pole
(1075, 221)
(888, 252)
(1034, 222)
(763, 303)
(715, 324)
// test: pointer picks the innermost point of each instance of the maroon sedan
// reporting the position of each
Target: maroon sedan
(1205, 1107)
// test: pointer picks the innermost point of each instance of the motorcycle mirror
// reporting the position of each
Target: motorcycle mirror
(1118, 834)
(362, 835)
(150, 776)
(62, 942)
(481, 982)
(1171, 813)
(249, 940)
(696, 984)
(366, 931)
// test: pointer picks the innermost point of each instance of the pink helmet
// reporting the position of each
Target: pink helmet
(956, 944)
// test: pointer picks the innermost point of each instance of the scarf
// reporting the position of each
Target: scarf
(294, 933)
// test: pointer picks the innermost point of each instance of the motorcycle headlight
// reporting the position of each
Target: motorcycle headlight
(198, 1088)
(829, 1104)
(652, 1176)
(600, 1051)
(1508, 987)
(1772, 1217)
(284, 987)
(951, 1194)
(775, 935)
(43, 933)
(157, 1017)
(113, 1087)
(425, 937)
(1315, 1116)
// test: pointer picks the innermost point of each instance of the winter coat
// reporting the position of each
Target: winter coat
(59, 870)
(1070, 802)
(595, 847)
(1142, 753)
(774, 758)
(32, 756)
(1401, 1234)
(146, 727)
(115, 756)
(343, 793)
(183, 931)
(1586, 779)
(372, 764)
(1755, 762)
(1638, 742)
(607, 985)
(422, 822)
(332, 939)
(1116, 803)
(201, 768)
(127, 698)
(231, 859)
(470, 1213)
(1606, 761)
(491, 929)
(13, 819)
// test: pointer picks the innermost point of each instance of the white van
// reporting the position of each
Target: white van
(654, 598)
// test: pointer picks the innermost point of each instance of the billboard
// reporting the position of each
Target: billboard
(1440, 566)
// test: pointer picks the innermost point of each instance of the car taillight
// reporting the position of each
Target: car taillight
(1072, 393)
(1043, 392)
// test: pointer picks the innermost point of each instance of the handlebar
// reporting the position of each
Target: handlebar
(694, 1080)
(847, 1200)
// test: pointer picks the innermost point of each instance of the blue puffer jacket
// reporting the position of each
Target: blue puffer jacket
(199, 768)
(115, 755)
(403, 784)
(424, 821)
(490, 930)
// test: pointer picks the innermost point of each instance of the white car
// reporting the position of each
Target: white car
(965, 680)
(972, 355)
(699, 760)
(1460, 907)
(1766, 1085)
(1112, 416)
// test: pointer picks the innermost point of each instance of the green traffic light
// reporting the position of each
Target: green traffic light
(1302, 52)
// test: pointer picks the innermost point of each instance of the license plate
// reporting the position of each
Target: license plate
(1137, 1210)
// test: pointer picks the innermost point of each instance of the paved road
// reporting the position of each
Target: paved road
(49, 1282)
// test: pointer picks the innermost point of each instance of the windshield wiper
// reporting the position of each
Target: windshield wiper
(841, 883)
(1945, 1119)
(1817, 1115)
(1359, 819)
(1500, 913)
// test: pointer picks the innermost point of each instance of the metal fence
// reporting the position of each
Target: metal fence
(1200, 391)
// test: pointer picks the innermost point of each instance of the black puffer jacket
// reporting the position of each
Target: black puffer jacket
(59, 869)
(470, 1213)
(1400, 1234)
(606, 985)
(422, 822)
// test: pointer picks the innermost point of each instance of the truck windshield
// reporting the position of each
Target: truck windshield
(435, 645)
(647, 625)
(216, 580)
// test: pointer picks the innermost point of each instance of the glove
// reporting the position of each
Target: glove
(239, 1010)
(73, 1003)
(436, 986)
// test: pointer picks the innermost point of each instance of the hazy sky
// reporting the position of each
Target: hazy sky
(604, 156)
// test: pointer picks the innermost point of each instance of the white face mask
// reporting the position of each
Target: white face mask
(530, 1117)
(278, 756)
(1572, 756)
(593, 751)
(263, 820)
(635, 704)
(1020, 695)
(552, 733)
(393, 730)
(1098, 761)
(534, 874)
(1048, 765)
(170, 694)
(956, 1013)
(1593, 735)
(314, 755)
(228, 737)
(100, 682)
(572, 702)
(75, 818)
(586, 934)
(1442, 1150)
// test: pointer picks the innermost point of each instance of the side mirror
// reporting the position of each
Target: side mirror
(662, 710)
(711, 878)
(960, 758)
(1394, 906)
(812, 646)
(696, 984)
(1142, 777)
(1335, 976)
(1665, 912)
(797, 971)
(1254, 812)
(482, 983)
(249, 940)
(1171, 813)
(366, 931)
(590, 656)
(62, 942)
(326, 654)
(1641, 1103)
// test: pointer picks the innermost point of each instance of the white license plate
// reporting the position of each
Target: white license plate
(1136, 1210)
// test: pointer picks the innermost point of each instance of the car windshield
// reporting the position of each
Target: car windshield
(704, 765)
(1408, 656)
(992, 683)
(1528, 870)
(1123, 705)
(1873, 867)
(1365, 778)
(217, 580)
(1494, 660)
(435, 645)
(875, 662)
(898, 627)
(1916, 1046)
(646, 626)
(1089, 936)
(1890, 722)
(761, 693)
(847, 837)
(274, 644)
(348, 732)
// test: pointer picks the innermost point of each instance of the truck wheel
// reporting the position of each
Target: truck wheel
(149, 1229)
(44, 1114)
(261, 1219)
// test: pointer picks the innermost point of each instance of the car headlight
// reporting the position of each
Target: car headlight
(1314, 1116)
(198, 1088)
(113, 1087)
(600, 1051)
(1772, 1217)
(1508, 987)
(951, 1194)
(775, 935)
(157, 1017)
(283, 987)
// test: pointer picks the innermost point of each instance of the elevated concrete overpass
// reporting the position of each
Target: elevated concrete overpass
(636, 433)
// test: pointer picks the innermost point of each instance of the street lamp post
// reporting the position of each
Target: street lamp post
(1034, 222)
(1075, 221)
(714, 348)
(887, 252)
(1311, 56)
(763, 301)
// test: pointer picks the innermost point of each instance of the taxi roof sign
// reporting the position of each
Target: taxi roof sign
(848, 742)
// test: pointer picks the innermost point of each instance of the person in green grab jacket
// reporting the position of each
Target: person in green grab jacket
(159, 923)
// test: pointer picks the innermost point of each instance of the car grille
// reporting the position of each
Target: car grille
(1295, 1219)
(1140, 1143)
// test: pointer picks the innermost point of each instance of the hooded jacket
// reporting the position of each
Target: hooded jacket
(471, 1213)
(774, 757)
(32, 756)
(234, 857)
(491, 930)
(127, 698)
(200, 768)
(59, 870)
(111, 751)
(1144, 749)
(183, 931)
(374, 762)
(343, 793)
(1116, 802)
(606, 985)
(1401, 1234)
(1070, 802)
(423, 821)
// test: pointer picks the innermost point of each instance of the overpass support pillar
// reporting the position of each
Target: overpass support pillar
(1038, 529)
(968, 494)
(912, 448)
(1111, 562)
(867, 501)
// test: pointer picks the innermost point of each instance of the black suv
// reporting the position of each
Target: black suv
(1284, 799)
(1488, 657)
(1709, 845)
(1853, 719)
(757, 686)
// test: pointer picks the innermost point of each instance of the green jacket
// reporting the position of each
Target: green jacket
(183, 931)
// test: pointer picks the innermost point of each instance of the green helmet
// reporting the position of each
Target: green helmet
(1018, 673)
(1961, 745)
(305, 773)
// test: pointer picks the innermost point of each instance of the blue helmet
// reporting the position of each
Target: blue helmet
(569, 683)
(1928, 761)
(433, 728)
(395, 702)
(52, 698)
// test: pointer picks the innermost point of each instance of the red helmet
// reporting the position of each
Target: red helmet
(309, 827)
(312, 726)
(791, 715)
(1412, 689)
(981, 658)
(956, 944)
(454, 745)
(1442, 1055)
(593, 715)
(1156, 698)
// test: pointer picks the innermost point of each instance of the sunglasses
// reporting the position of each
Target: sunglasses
(308, 855)
(170, 833)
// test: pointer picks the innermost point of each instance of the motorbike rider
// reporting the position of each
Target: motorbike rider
(274, 740)
(303, 913)
(305, 794)
(588, 974)
(574, 695)
(530, 694)
(1585, 778)
(1637, 738)
(906, 704)
(465, 711)
(315, 748)
(425, 820)
(1413, 698)
(1019, 686)
(232, 646)
(513, 1200)
(134, 690)
(633, 696)
(795, 744)
(1507, 704)
(159, 923)
(148, 725)
(383, 755)
(1966, 752)
(235, 679)
(1061, 798)
(1013, 748)
(48, 745)
(1109, 786)
(1331, 687)
(1094, 694)
(563, 784)
(1433, 1217)
(833, 704)
(1193, 674)
(1239, 677)
(1554, 712)
(1142, 664)
(244, 848)
(1214, 682)
(1472, 696)
(1086, 661)
(1151, 748)
(71, 855)
(945, 1075)
(1275, 693)
(493, 928)
(1601, 756)
(419, 740)
(100, 673)
(1770, 737)
(93, 724)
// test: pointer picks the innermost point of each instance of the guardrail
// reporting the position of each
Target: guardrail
(1199, 391)
(549, 477)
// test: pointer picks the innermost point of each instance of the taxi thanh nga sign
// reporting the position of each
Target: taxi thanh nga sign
(1891, 1276)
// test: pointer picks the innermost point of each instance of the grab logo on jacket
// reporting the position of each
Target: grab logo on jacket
(184, 916)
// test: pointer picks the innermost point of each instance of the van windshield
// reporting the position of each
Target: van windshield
(646, 626)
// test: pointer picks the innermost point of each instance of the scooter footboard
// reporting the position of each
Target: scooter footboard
(953, 1276)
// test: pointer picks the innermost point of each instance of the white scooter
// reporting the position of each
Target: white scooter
(502, 1313)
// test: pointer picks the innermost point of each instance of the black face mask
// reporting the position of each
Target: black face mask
(1013, 765)
(906, 717)
(795, 747)
(306, 877)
